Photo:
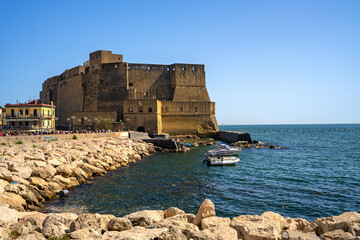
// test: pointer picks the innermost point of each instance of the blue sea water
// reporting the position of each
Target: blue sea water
(318, 174)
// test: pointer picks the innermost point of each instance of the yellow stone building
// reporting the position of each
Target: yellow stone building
(30, 116)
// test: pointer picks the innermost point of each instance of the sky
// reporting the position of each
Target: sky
(266, 61)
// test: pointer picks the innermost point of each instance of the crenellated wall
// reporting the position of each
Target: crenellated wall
(105, 82)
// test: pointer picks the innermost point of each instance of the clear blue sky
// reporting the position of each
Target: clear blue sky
(267, 61)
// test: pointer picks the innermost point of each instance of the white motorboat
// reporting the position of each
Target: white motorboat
(221, 161)
(224, 150)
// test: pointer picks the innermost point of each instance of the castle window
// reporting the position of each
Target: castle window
(196, 109)
(167, 69)
(181, 109)
(96, 56)
(101, 82)
(193, 69)
(92, 57)
(130, 110)
(149, 68)
(166, 109)
(140, 109)
(150, 109)
(131, 84)
(103, 67)
(173, 69)
(183, 68)
(21, 112)
(119, 58)
(27, 112)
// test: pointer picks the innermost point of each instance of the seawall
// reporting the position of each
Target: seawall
(232, 137)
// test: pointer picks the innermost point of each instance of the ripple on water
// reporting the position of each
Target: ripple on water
(317, 175)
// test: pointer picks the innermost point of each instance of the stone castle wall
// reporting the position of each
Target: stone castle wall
(105, 82)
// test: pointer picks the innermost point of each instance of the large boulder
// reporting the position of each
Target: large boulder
(14, 201)
(56, 225)
(44, 172)
(8, 216)
(146, 217)
(21, 171)
(29, 223)
(338, 234)
(135, 234)
(65, 170)
(276, 218)
(179, 222)
(3, 184)
(343, 222)
(220, 233)
(207, 209)
(90, 233)
(5, 174)
(91, 220)
(214, 222)
(172, 211)
(295, 235)
(119, 224)
(255, 227)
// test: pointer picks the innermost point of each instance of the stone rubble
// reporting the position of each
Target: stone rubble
(29, 176)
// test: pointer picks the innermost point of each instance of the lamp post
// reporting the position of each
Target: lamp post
(72, 121)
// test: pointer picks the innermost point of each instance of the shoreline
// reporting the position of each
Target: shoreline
(31, 175)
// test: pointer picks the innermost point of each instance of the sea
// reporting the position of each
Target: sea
(317, 174)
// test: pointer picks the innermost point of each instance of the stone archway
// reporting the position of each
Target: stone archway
(140, 129)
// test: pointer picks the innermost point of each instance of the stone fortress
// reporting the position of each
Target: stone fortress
(144, 97)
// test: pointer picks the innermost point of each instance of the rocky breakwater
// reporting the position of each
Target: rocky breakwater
(174, 224)
(31, 175)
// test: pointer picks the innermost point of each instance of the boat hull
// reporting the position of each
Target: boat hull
(223, 161)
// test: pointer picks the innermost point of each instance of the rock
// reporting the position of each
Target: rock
(276, 218)
(12, 188)
(172, 234)
(31, 236)
(14, 201)
(355, 229)
(220, 233)
(296, 224)
(64, 170)
(3, 184)
(28, 224)
(207, 209)
(92, 170)
(255, 227)
(80, 175)
(145, 218)
(90, 220)
(22, 171)
(338, 234)
(179, 222)
(296, 235)
(343, 222)
(55, 225)
(119, 224)
(8, 216)
(42, 186)
(172, 211)
(190, 217)
(44, 172)
(135, 234)
(5, 174)
(4, 233)
(86, 233)
(214, 222)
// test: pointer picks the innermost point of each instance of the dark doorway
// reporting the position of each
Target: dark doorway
(140, 129)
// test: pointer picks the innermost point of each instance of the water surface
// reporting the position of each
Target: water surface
(318, 174)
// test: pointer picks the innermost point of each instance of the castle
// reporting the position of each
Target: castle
(144, 97)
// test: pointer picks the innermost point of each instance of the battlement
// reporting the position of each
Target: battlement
(187, 107)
